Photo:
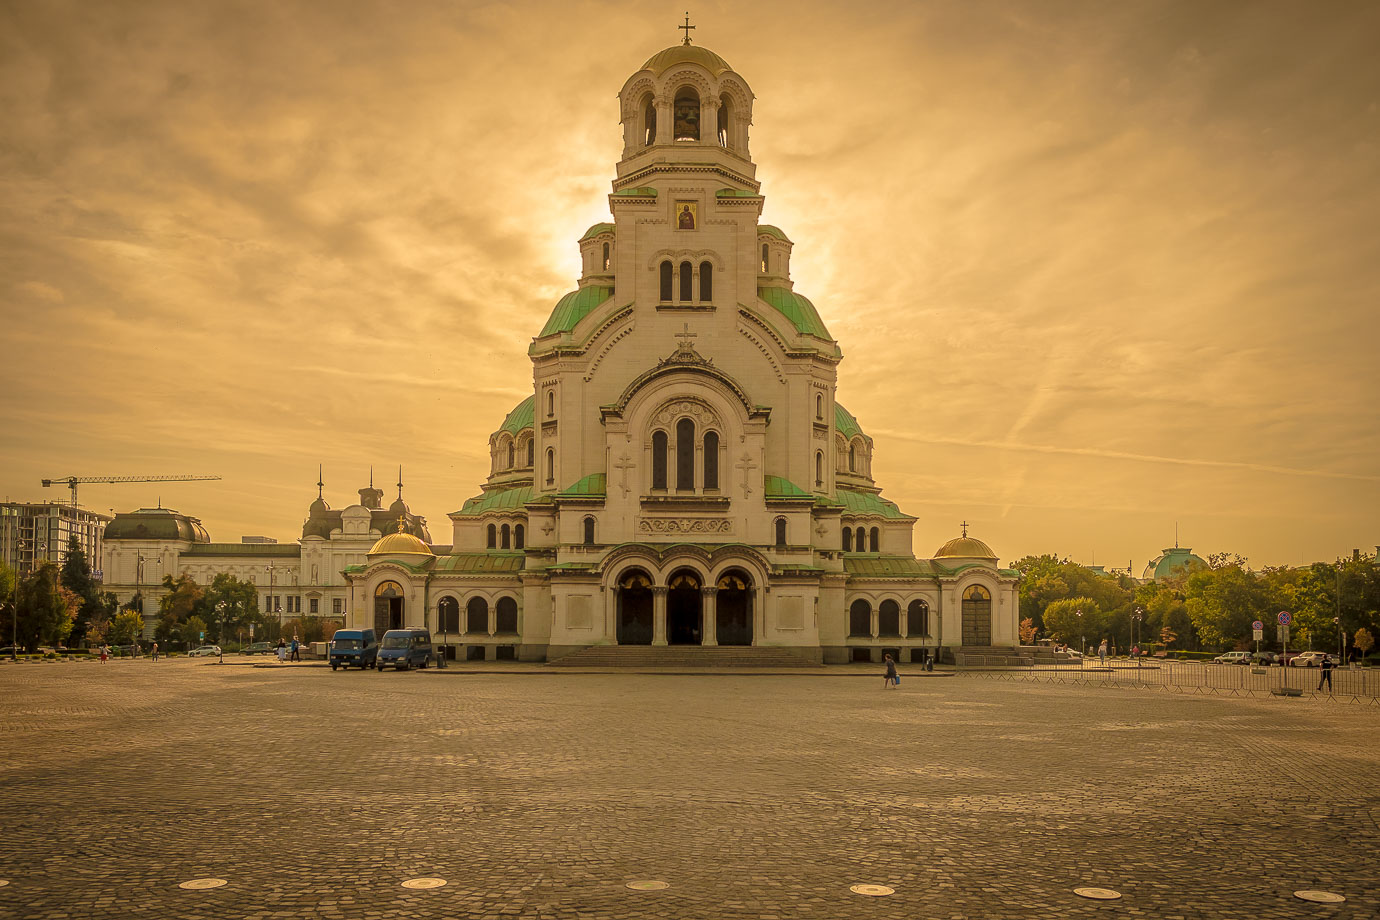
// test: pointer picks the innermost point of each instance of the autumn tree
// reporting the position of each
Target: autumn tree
(127, 626)
(183, 600)
(45, 611)
(1028, 631)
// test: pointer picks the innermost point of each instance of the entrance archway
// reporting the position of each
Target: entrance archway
(635, 608)
(684, 610)
(733, 609)
(388, 608)
(977, 616)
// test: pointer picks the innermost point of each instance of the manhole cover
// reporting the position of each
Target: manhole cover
(872, 891)
(423, 883)
(649, 886)
(1319, 897)
(1097, 894)
(201, 884)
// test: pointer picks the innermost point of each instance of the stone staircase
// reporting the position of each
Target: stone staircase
(993, 656)
(682, 656)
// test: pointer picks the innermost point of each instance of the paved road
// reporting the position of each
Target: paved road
(315, 794)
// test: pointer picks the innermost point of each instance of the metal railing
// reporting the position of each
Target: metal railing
(1348, 685)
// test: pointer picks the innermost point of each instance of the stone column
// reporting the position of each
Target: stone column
(493, 618)
(755, 596)
(659, 593)
(709, 612)
(876, 614)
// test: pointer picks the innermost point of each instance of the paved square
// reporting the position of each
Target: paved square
(317, 794)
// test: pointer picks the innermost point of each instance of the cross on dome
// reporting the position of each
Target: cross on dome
(687, 27)
(965, 528)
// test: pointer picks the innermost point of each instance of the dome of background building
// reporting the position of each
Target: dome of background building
(965, 547)
(664, 60)
(156, 524)
(1180, 558)
(401, 544)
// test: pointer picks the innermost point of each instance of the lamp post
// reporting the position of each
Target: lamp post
(271, 604)
(1082, 640)
(220, 622)
(1341, 641)
(1136, 617)
(14, 604)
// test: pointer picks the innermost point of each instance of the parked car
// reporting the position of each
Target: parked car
(257, 648)
(205, 651)
(1265, 658)
(404, 648)
(1234, 658)
(1307, 660)
(354, 647)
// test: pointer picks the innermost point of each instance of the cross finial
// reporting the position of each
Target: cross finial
(687, 338)
(320, 484)
(402, 523)
(399, 482)
(687, 27)
(965, 528)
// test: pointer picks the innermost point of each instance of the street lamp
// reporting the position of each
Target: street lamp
(220, 622)
(14, 604)
(271, 605)
(1135, 629)
(1082, 640)
(1341, 641)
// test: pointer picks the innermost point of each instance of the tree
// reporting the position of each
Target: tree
(1223, 599)
(45, 611)
(9, 584)
(241, 604)
(193, 628)
(126, 628)
(76, 577)
(1364, 641)
(1167, 636)
(183, 600)
(1062, 619)
(1028, 631)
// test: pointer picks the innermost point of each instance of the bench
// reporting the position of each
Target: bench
(1161, 654)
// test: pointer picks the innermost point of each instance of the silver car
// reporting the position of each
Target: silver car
(205, 651)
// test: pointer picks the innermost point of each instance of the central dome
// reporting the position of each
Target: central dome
(400, 544)
(663, 61)
(965, 547)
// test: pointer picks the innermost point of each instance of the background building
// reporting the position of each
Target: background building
(33, 531)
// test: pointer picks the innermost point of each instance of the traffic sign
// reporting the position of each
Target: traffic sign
(1258, 634)
(1284, 618)
(1257, 625)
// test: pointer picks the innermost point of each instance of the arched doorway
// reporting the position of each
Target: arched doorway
(634, 603)
(477, 616)
(684, 625)
(860, 619)
(733, 609)
(388, 608)
(977, 616)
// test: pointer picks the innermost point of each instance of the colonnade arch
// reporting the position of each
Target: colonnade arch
(679, 603)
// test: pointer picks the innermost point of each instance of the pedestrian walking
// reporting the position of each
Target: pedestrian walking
(891, 679)
(1326, 674)
(155, 651)
(282, 650)
(105, 653)
(1102, 652)
(295, 644)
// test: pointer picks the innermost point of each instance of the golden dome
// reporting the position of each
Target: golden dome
(965, 547)
(663, 61)
(400, 544)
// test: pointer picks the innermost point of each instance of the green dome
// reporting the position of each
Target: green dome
(1174, 560)
(574, 307)
(156, 524)
(520, 417)
(663, 61)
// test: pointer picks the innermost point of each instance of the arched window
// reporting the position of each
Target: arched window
(659, 451)
(512, 455)
(606, 257)
(860, 618)
(550, 403)
(876, 540)
(589, 531)
(848, 539)
(477, 616)
(448, 614)
(493, 536)
(550, 465)
(685, 455)
(852, 458)
(780, 532)
(519, 537)
(889, 619)
(711, 460)
(764, 258)
(666, 285)
(687, 114)
(505, 536)
(860, 540)
(819, 469)
(687, 282)
(918, 619)
(819, 405)
(725, 121)
(648, 120)
(505, 615)
(531, 446)
(706, 282)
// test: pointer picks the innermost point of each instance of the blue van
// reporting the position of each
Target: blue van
(354, 648)
(403, 648)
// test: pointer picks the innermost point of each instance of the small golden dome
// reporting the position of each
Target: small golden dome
(663, 61)
(965, 547)
(400, 544)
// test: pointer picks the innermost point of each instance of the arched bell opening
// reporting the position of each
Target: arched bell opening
(648, 120)
(634, 608)
(725, 121)
(388, 607)
(684, 609)
(733, 608)
(687, 114)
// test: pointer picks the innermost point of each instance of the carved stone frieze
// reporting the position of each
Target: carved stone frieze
(684, 525)
(693, 408)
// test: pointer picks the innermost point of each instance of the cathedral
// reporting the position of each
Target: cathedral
(682, 473)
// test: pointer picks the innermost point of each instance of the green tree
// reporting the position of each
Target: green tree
(9, 584)
(1223, 599)
(229, 604)
(76, 577)
(45, 612)
(192, 630)
(127, 626)
(1046, 579)
(183, 599)
(1063, 622)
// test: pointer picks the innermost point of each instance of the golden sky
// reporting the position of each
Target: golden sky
(1097, 268)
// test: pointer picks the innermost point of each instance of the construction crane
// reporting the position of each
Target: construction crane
(71, 481)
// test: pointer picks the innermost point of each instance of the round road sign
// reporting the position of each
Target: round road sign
(1257, 625)
(1284, 618)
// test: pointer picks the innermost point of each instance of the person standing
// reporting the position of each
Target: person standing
(1326, 674)
(105, 653)
(155, 651)
(891, 679)
(295, 644)
(1102, 652)
(282, 650)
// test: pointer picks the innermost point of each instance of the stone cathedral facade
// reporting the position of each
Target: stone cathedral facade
(683, 472)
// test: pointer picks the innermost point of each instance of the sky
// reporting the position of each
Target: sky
(1100, 271)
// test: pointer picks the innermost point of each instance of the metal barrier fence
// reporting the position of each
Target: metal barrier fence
(1348, 685)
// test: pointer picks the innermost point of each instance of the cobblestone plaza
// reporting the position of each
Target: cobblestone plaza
(541, 794)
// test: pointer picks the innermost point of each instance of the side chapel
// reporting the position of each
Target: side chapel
(683, 473)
